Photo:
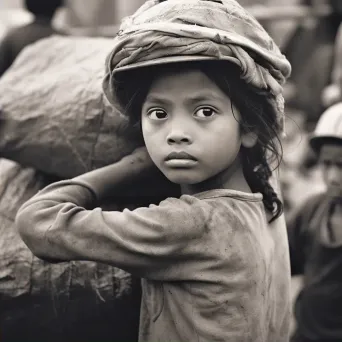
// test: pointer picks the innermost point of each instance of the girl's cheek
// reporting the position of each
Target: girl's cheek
(144, 125)
(150, 132)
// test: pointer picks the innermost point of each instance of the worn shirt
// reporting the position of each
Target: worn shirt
(316, 252)
(213, 269)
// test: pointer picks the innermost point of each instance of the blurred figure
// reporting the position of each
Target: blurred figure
(315, 238)
(41, 27)
(332, 93)
(313, 42)
(100, 18)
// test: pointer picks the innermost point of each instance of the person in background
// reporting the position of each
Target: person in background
(214, 261)
(312, 41)
(315, 238)
(16, 39)
(332, 93)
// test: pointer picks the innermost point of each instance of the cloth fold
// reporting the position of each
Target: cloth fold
(219, 30)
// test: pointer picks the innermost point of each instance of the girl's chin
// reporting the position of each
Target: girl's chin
(184, 177)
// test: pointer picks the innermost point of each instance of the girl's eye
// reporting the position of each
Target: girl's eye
(157, 114)
(205, 112)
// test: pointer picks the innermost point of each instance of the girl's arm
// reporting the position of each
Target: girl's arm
(105, 180)
(147, 241)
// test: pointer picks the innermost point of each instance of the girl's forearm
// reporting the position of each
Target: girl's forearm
(106, 179)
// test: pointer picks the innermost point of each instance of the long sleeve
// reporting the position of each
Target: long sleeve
(55, 225)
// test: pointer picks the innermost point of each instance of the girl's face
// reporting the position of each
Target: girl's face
(189, 127)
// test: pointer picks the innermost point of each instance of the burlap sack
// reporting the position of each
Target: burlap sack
(53, 118)
(52, 111)
(75, 301)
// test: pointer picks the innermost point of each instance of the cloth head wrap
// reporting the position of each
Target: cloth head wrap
(182, 30)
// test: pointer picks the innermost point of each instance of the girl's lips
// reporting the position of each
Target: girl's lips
(180, 160)
(181, 163)
(180, 156)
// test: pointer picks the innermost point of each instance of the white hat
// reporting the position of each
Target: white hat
(329, 127)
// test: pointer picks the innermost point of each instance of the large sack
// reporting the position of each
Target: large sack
(75, 301)
(52, 113)
(55, 118)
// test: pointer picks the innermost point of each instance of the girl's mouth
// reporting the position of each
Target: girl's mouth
(180, 163)
(180, 155)
(180, 160)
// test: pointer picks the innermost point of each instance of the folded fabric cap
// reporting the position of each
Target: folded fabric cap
(169, 60)
(192, 30)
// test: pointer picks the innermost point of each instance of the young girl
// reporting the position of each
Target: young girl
(201, 82)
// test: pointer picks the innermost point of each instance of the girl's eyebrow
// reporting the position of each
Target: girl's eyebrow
(159, 99)
(205, 96)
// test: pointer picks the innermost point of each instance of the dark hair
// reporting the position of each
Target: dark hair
(45, 8)
(256, 112)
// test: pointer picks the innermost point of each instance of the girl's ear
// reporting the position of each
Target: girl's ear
(249, 139)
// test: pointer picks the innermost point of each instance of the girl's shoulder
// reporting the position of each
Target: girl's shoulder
(222, 204)
(231, 194)
(212, 198)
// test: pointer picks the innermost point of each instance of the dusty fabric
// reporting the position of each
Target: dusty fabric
(214, 269)
(71, 301)
(217, 29)
(53, 115)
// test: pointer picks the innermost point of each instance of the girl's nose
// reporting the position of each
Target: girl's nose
(178, 136)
